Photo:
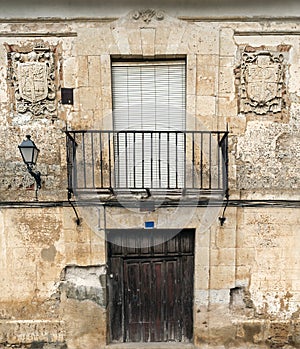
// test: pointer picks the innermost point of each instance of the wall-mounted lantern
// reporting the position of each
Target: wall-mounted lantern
(30, 152)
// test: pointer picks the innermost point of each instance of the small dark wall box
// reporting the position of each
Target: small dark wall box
(67, 95)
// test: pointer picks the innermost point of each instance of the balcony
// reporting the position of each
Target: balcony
(154, 162)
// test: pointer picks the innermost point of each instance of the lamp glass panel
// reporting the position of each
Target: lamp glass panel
(27, 154)
(35, 155)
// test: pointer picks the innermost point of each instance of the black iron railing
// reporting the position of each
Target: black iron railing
(153, 160)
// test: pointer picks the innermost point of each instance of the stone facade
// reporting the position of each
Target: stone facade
(241, 72)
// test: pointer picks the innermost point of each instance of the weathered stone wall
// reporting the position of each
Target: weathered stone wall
(256, 298)
(246, 271)
(43, 286)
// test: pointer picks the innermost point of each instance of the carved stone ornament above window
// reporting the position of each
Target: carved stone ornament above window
(33, 80)
(260, 79)
(148, 14)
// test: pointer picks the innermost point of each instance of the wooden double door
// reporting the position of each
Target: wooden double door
(150, 284)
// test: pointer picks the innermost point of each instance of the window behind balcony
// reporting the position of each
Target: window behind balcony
(149, 117)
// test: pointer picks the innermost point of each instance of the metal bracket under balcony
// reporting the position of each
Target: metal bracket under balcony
(141, 164)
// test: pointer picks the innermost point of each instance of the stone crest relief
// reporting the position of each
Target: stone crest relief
(33, 80)
(261, 82)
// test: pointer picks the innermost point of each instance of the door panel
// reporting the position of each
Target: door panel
(146, 299)
(132, 304)
(116, 300)
(187, 299)
(172, 311)
(157, 296)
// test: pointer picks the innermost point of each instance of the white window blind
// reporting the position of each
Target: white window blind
(149, 96)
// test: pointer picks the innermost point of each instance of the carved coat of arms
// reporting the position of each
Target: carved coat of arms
(33, 81)
(261, 78)
(33, 77)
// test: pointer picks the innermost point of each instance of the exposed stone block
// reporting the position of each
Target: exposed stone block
(85, 283)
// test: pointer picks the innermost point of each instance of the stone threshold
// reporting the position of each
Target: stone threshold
(153, 345)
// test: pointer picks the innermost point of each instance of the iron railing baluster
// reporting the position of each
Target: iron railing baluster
(109, 161)
(184, 162)
(143, 160)
(126, 159)
(134, 165)
(118, 157)
(93, 160)
(201, 161)
(218, 159)
(193, 160)
(84, 159)
(151, 160)
(168, 159)
(176, 160)
(159, 159)
(101, 160)
(210, 163)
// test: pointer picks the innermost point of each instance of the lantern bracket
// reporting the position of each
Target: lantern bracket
(36, 175)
